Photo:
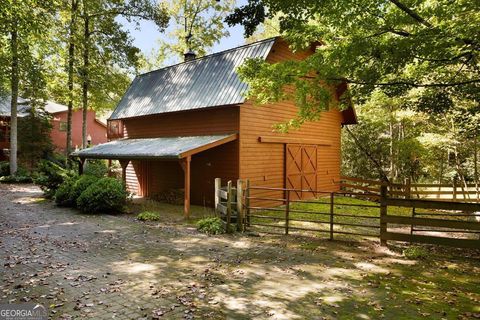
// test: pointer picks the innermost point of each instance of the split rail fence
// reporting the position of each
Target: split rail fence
(455, 191)
(333, 214)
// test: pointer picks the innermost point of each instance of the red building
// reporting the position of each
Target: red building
(96, 129)
(182, 126)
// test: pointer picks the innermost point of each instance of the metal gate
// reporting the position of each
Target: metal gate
(301, 170)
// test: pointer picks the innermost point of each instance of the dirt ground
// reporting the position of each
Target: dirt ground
(104, 267)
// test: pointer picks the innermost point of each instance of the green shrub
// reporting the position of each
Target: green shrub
(148, 216)
(4, 168)
(105, 195)
(63, 195)
(415, 252)
(97, 168)
(81, 184)
(16, 179)
(50, 176)
(212, 225)
(21, 176)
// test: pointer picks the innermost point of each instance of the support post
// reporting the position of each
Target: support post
(247, 203)
(240, 216)
(124, 164)
(218, 185)
(229, 205)
(383, 214)
(332, 198)
(408, 188)
(81, 162)
(287, 211)
(455, 189)
(185, 163)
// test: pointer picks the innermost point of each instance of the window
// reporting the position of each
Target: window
(115, 129)
(62, 126)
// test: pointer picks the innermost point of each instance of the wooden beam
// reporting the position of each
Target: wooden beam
(460, 243)
(430, 222)
(273, 139)
(433, 204)
(185, 163)
(124, 164)
(209, 146)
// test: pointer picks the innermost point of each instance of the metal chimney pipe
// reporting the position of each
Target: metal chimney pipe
(189, 56)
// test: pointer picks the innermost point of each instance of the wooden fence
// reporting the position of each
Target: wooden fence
(327, 221)
(329, 213)
(455, 191)
(229, 203)
(447, 224)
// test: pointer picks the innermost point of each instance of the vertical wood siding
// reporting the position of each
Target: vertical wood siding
(220, 162)
(264, 163)
(150, 178)
(219, 120)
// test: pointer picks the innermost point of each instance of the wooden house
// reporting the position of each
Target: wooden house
(96, 129)
(187, 124)
(5, 123)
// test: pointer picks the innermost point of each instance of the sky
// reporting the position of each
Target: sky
(146, 35)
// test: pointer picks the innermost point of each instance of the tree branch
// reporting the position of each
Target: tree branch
(377, 164)
(411, 13)
(410, 84)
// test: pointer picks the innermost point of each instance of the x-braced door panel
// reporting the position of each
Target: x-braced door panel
(301, 170)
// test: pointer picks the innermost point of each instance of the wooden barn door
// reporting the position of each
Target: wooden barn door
(301, 170)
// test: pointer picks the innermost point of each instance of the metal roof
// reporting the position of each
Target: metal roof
(53, 107)
(153, 148)
(5, 107)
(205, 82)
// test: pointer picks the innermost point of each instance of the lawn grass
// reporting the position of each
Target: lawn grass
(351, 215)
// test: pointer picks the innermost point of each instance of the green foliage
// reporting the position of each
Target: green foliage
(408, 143)
(50, 176)
(148, 216)
(34, 141)
(106, 195)
(63, 194)
(4, 168)
(399, 47)
(17, 178)
(415, 252)
(21, 176)
(81, 184)
(198, 22)
(97, 168)
(211, 225)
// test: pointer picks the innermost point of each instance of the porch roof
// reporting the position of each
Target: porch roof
(154, 148)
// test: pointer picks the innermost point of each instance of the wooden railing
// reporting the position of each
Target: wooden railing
(433, 191)
(332, 213)
(436, 227)
(229, 203)
(332, 220)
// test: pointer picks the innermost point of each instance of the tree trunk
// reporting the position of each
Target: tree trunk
(13, 105)
(71, 60)
(475, 163)
(85, 76)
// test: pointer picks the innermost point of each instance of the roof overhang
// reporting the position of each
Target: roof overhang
(165, 148)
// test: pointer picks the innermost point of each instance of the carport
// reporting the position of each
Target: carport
(179, 149)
